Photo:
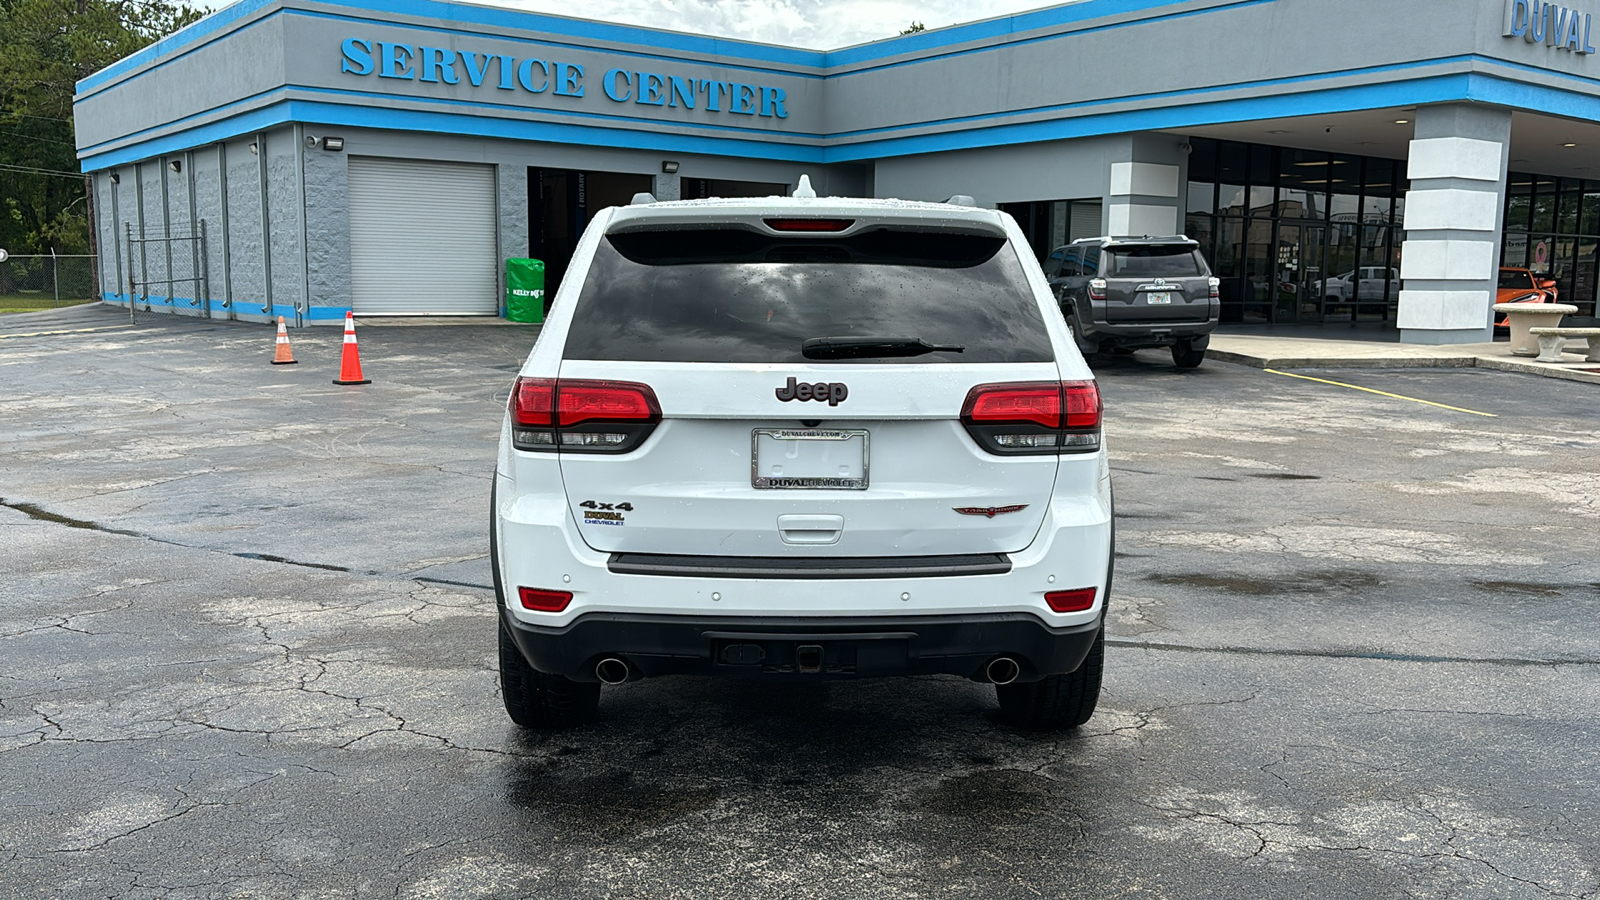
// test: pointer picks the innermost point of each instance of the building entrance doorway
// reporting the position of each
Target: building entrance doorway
(561, 202)
(1301, 273)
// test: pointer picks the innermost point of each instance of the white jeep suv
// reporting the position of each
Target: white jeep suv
(809, 439)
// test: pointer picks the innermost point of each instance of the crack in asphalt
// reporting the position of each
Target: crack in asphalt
(39, 513)
(1376, 655)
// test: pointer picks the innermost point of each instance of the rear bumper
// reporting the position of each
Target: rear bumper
(807, 648)
(1153, 333)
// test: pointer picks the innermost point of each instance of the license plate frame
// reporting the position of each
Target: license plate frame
(1158, 298)
(809, 478)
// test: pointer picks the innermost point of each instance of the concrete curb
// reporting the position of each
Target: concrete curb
(1320, 362)
(1562, 371)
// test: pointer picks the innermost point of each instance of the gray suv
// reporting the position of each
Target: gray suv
(1129, 293)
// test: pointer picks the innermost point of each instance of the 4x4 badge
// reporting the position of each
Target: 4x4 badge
(990, 511)
(833, 392)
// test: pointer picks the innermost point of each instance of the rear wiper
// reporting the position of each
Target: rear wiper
(863, 347)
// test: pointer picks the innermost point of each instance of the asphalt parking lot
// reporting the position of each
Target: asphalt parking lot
(247, 654)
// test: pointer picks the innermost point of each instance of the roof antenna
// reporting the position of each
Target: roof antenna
(804, 191)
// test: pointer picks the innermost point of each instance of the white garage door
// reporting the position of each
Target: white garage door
(422, 238)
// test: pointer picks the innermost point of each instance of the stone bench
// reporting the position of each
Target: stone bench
(1520, 317)
(1551, 341)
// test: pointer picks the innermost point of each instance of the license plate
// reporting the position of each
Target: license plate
(788, 459)
(1158, 298)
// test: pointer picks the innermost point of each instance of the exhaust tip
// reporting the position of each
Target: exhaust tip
(1003, 670)
(611, 670)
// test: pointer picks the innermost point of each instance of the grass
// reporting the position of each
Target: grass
(33, 301)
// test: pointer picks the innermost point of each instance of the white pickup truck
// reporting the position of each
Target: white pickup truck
(1368, 289)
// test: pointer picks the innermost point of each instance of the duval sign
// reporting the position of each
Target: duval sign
(1550, 24)
(497, 71)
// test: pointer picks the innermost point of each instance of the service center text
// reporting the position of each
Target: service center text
(435, 65)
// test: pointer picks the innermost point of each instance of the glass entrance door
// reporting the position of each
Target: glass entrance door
(1300, 272)
(1348, 284)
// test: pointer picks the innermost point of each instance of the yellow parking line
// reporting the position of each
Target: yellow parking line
(1357, 387)
(72, 331)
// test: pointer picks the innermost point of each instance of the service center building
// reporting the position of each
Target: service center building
(1358, 161)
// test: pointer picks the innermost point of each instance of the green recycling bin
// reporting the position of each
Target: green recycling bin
(525, 290)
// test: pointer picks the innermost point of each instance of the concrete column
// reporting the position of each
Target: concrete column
(1142, 197)
(667, 187)
(327, 215)
(515, 218)
(1450, 260)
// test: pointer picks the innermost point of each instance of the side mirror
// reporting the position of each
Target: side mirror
(1547, 284)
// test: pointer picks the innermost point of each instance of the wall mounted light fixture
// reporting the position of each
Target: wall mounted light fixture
(175, 165)
(333, 144)
(669, 166)
(115, 178)
(254, 148)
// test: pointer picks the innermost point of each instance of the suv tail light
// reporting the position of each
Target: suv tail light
(1034, 418)
(1215, 284)
(1097, 288)
(581, 416)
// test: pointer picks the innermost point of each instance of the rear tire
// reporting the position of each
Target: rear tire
(1085, 346)
(1056, 702)
(1185, 356)
(540, 700)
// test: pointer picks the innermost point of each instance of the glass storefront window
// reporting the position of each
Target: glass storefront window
(1514, 250)
(1287, 224)
(1589, 221)
(1519, 201)
(1567, 212)
(1302, 184)
(1584, 281)
(1202, 197)
(1544, 205)
(1231, 200)
(1377, 191)
(1200, 229)
(1225, 265)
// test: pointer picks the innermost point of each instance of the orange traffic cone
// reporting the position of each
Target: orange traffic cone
(350, 362)
(282, 355)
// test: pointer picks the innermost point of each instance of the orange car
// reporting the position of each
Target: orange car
(1522, 286)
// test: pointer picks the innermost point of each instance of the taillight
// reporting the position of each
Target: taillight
(1076, 600)
(541, 600)
(1216, 287)
(1097, 288)
(581, 416)
(1037, 417)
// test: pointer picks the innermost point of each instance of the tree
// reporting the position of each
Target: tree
(46, 46)
(914, 28)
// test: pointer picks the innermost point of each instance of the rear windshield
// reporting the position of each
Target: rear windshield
(738, 296)
(1513, 279)
(1152, 262)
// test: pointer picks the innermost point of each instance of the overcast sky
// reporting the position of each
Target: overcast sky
(817, 24)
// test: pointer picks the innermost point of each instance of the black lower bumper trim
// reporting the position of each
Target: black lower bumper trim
(808, 567)
(804, 647)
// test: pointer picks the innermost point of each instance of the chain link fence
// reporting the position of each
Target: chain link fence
(45, 282)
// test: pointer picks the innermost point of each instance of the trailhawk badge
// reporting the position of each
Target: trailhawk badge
(990, 511)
